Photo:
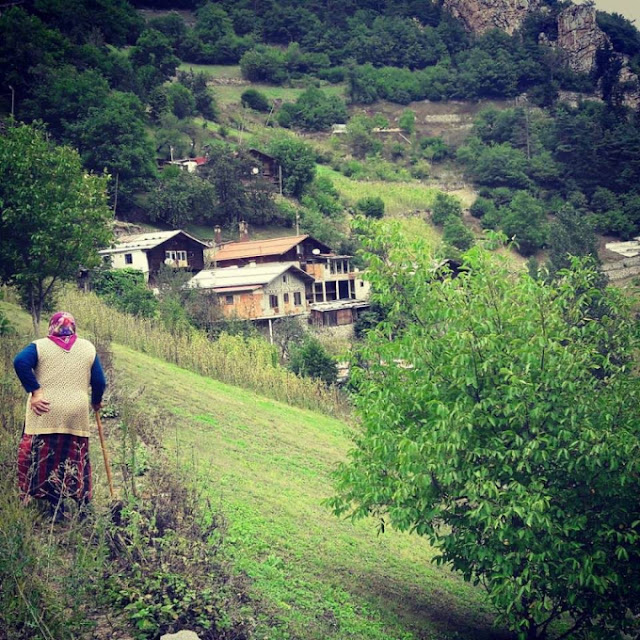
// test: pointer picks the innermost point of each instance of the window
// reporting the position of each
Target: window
(297, 298)
(179, 256)
(128, 258)
(284, 279)
(286, 298)
(228, 299)
(273, 302)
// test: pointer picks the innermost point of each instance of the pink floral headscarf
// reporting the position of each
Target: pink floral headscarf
(62, 330)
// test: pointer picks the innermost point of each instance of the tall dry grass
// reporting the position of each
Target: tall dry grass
(250, 363)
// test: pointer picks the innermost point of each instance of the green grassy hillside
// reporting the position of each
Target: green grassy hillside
(267, 467)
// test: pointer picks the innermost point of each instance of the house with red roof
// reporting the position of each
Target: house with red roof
(334, 291)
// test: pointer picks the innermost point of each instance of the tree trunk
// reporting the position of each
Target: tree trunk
(36, 312)
(532, 632)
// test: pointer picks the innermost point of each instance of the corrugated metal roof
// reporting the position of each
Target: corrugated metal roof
(628, 249)
(145, 241)
(247, 277)
(256, 248)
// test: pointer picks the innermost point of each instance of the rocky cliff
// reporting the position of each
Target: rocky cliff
(580, 37)
(479, 16)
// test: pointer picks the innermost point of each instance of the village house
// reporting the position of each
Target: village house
(186, 164)
(334, 293)
(146, 252)
(266, 167)
(257, 292)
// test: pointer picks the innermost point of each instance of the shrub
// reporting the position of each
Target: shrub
(481, 207)
(372, 207)
(445, 206)
(525, 221)
(125, 289)
(407, 121)
(313, 361)
(286, 115)
(434, 149)
(334, 75)
(298, 163)
(264, 64)
(457, 234)
(180, 100)
(315, 110)
(256, 100)
(420, 170)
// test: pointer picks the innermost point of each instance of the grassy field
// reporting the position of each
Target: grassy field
(228, 85)
(213, 70)
(401, 199)
(267, 466)
(229, 94)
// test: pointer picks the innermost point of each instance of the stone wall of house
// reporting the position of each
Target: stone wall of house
(621, 269)
(479, 16)
(344, 332)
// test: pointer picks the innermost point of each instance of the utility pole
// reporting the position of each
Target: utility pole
(115, 197)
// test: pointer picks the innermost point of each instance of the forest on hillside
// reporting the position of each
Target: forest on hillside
(109, 83)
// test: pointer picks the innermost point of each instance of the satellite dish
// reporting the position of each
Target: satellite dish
(168, 261)
(316, 252)
(255, 171)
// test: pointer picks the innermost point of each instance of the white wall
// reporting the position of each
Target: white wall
(140, 261)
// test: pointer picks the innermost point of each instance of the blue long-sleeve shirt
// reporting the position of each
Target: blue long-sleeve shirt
(25, 363)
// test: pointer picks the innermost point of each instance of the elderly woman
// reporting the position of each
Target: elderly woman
(53, 457)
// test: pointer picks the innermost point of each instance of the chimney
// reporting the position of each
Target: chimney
(217, 231)
(244, 231)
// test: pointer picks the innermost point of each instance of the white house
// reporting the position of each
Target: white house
(146, 252)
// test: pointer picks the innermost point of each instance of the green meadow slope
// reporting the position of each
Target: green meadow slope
(267, 467)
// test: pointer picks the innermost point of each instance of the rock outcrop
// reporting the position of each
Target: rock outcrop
(580, 37)
(479, 16)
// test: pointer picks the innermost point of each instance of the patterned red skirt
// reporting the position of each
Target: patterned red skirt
(54, 466)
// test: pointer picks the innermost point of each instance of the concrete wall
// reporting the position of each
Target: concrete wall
(251, 305)
(286, 283)
(139, 261)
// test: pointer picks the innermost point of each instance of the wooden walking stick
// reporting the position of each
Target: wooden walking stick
(105, 456)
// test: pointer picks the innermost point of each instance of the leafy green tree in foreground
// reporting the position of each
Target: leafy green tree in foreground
(500, 420)
(53, 215)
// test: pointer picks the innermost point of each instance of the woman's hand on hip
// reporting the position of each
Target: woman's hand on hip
(38, 404)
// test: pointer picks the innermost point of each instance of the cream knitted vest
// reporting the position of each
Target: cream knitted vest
(64, 379)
